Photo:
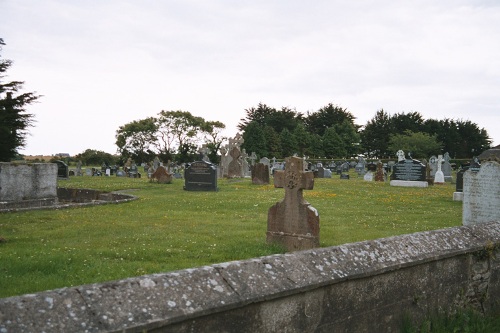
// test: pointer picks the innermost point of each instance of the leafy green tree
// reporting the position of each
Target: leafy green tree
(273, 142)
(473, 140)
(349, 137)
(255, 139)
(411, 121)
(95, 157)
(421, 145)
(179, 129)
(303, 139)
(289, 145)
(14, 121)
(315, 149)
(375, 135)
(136, 139)
(327, 117)
(333, 146)
(212, 131)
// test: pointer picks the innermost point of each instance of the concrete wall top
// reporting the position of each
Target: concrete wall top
(151, 301)
(27, 181)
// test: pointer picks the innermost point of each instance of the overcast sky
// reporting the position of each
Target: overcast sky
(101, 64)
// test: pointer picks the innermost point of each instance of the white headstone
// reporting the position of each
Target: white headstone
(481, 200)
(439, 176)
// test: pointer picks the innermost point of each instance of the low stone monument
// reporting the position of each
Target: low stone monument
(481, 194)
(293, 222)
(161, 176)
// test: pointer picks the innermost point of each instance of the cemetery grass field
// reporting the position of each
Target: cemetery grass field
(168, 228)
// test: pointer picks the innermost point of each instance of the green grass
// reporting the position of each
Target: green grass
(169, 228)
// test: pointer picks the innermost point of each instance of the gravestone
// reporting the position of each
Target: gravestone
(401, 155)
(245, 169)
(235, 167)
(446, 168)
(481, 192)
(88, 172)
(433, 166)
(293, 222)
(79, 168)
(323, 173)
(344, 176)
(156, 164)
(380, 173)
(260, 174)
(360, 166)
(439, 176)
(372, 166)
(161, 176)
(266, 161)
(200, 176)
(62, 169)
(368, 176)
(121, 173)
(253, 158)
(409, 173)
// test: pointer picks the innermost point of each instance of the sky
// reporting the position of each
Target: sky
(101, 64)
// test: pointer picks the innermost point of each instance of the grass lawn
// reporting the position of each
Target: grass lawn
(169, 228)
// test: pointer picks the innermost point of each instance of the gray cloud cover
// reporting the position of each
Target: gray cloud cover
(101, 64)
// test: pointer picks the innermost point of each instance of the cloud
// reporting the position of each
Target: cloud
(101, 64)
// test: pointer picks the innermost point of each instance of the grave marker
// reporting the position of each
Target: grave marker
(481, 194)
(260, 174)
(293, 222)
(409, 173)
(200, 176)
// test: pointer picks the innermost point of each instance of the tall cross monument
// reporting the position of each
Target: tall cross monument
(293, 222)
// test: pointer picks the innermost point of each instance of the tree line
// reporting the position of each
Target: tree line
(332, 133)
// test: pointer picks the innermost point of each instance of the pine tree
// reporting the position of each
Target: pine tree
(14, 121)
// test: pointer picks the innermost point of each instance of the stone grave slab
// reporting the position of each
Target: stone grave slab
(260, 174)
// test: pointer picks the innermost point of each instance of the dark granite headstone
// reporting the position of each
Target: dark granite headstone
(200, 176)
(459, 187)
(344, 176)
(62, 169)
(409, 170)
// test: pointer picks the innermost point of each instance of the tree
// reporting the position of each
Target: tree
(95, 157)
(332, 144)
(303, 139)
(212, 131)
(273, 142)
(327, 117)
(289, 145)
(254, 139)
(182, 130)
(14, 121)
(349, 137)
(375, 135)
(421, 145)
(136, 139)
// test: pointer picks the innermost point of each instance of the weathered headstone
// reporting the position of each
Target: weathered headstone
(235, 167)
(161, 176)
(360, 166)
(260, 174)
(368, 176)
(380, 173)
(446, 168)
(62, 169)
(322, 172)
(481, 200)
(200, 176)
(433, 166)
(79, 168)
(293, 222)
(409, 173)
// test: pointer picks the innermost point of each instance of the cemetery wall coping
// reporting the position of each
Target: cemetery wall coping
(157, 300)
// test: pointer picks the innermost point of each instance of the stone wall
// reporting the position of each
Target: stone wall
(28, 181)
(360, 287)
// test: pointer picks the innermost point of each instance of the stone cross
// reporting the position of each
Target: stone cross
(293, 222)
(253, 157)
(439, 176)
(204, 152)
(401, 155)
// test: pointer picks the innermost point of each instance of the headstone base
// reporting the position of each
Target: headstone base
(458, 196)
(409, 183)
(293, 242)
